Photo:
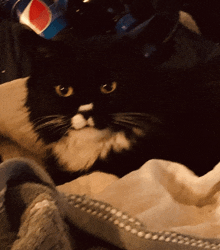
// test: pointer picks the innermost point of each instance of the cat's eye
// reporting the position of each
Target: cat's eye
(108, 88)
(64, 91)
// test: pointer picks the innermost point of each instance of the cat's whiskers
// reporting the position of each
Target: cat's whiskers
(131, 119)
(137, 122)
(56, 123)
(50, 124)
(125, 123)
(131, 114)
(62, 129)
(49, 118)
(134, 117)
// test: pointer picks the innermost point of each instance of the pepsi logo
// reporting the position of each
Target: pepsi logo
(36, 15)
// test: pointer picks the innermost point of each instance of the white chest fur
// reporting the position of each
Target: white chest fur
(81, 148)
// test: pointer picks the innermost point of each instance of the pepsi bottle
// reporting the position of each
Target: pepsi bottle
(45, 17)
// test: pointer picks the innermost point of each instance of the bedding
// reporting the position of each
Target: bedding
(155, 207)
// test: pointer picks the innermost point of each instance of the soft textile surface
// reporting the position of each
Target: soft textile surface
(164, 196)
(167, 196)
(35, 214)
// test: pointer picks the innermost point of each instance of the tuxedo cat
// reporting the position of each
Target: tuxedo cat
(104, 105)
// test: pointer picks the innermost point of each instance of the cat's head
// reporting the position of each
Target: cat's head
(89, 101)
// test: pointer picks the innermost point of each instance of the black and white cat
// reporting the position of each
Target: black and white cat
(104, 106)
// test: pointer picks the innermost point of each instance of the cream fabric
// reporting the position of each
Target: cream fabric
(161, 194)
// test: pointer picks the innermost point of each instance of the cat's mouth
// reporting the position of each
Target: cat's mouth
(79, 121)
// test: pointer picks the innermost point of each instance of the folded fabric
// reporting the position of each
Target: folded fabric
(35, 215)
(168, 196)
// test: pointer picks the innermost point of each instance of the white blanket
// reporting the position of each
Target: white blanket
(162, 194)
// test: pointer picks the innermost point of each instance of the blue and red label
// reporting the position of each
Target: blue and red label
(45, 17)
(37, 16)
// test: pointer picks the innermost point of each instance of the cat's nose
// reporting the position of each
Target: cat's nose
(86, 107)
